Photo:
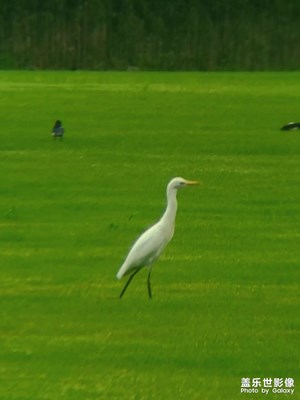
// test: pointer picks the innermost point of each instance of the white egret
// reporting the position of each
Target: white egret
(151, 243)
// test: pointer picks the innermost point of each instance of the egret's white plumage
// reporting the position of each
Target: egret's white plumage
(151, 243)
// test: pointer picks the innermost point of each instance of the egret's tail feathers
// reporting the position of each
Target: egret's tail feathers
(121, 272)
(119, 275)
(126, 269)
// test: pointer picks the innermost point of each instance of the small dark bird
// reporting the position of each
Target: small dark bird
(58, 130)
(290, 126)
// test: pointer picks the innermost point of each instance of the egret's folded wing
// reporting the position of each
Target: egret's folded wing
(144, 251)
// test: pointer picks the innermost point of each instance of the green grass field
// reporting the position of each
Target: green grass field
(226, 290)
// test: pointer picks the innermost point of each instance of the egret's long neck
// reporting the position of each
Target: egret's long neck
(170, 213)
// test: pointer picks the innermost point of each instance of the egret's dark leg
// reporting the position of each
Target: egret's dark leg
(149, 283)
(127, 283)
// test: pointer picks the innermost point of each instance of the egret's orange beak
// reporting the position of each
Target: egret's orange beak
(193, 183)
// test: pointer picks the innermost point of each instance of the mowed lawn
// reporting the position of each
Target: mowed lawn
(226, 290)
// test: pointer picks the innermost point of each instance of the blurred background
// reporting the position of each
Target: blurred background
(150, 34)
